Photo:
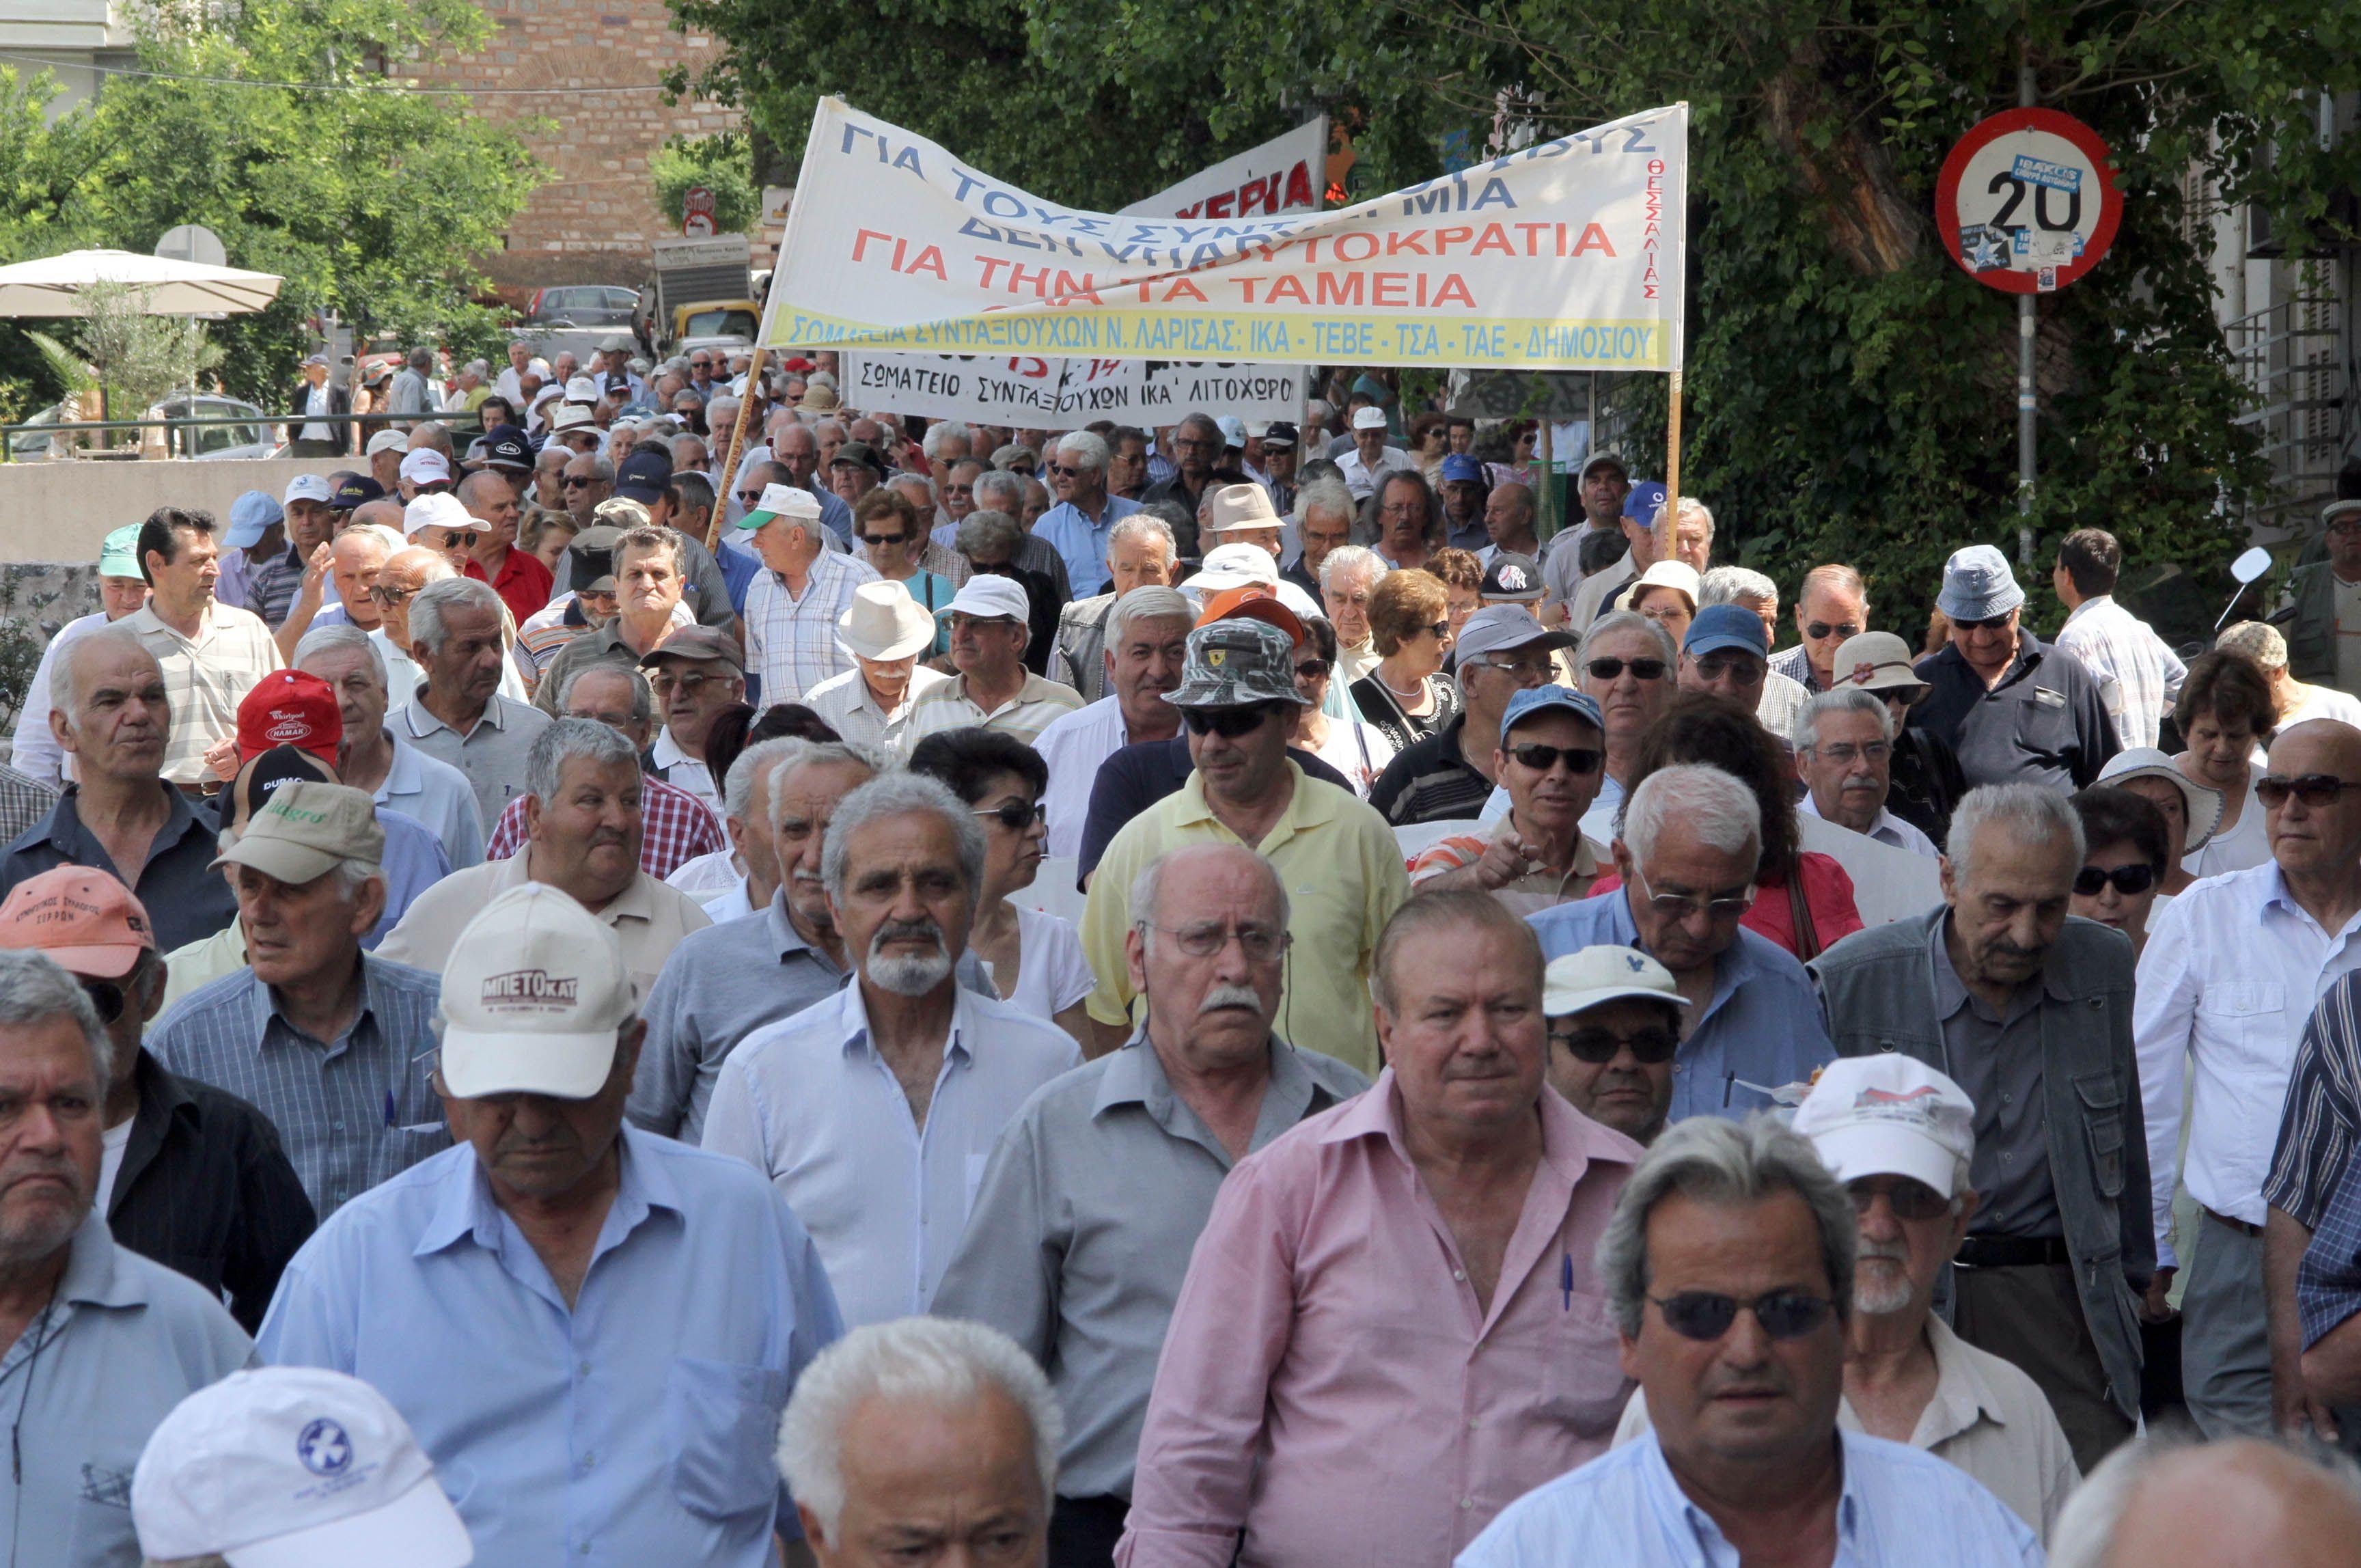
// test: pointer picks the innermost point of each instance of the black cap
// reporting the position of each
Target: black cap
(592, 553)
(860, 453)
(644, 475)
(1280, 435)
(505, 446)
(355, 490)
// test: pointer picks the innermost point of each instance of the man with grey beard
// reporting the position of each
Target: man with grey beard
(872, 1110)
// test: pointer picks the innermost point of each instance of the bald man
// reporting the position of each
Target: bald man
(2232, 1503)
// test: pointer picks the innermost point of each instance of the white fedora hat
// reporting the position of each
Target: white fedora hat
(885, 623)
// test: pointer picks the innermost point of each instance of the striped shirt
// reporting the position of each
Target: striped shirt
(270, 592)
(206, 678)
(1025, 716)
(2314, 1178)
(352, 1110)
(25, 803)
(851, 710)
(790, 641)
(676, 829)
(2138, 677)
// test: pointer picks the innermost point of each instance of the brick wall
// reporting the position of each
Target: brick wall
(594, 220)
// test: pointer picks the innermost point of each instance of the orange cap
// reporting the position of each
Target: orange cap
(1255, 601)
(85, 920)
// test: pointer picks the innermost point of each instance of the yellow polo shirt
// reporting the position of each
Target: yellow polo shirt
(1343, 871)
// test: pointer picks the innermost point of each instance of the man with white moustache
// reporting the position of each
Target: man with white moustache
(1844, 754)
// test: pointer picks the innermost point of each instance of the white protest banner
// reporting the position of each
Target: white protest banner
(1063, 393)
(1285, 174)
(1563, 255)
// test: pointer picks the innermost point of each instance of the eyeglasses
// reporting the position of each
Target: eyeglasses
(2312, 789)
(687, 684)
(1016, 815)
(1705, 1315)
(884, 541)
(1189, 443)
(1599, 1048)
(105, 998)
(1989, 623)
(390, 596)
(1688, 905)
(1313, 669)
(1844, 753)
(1581, 761)
(1524, 669)
(1910, 1199)
(1203, 941)
(2131, 879)
(1817, 630)
(1227, 722)
(1642, 669)
(1738, 667)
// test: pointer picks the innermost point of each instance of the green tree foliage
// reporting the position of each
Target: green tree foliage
(723, 164)
(369, 202)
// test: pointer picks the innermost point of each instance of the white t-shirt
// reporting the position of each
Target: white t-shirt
(113, 1142)
(1051, 973)
(1359, 751)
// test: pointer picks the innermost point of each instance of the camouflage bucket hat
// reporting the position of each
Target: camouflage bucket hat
(1238, 663)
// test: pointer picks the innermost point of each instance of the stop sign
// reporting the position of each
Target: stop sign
(2027, 202)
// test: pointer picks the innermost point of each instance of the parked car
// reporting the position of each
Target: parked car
(206, 441)
(579, 305)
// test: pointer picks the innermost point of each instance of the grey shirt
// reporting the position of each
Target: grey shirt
(1996, 1061)
(1082, 1229)
(123, 1341)
(491, 754)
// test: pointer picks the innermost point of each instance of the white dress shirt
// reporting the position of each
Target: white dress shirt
(1074, 744)
(2139, 678)
(1360, 478)
(851, 710)
(810, 1102)
(681, 771)
(1887, 829)
(2227, 982)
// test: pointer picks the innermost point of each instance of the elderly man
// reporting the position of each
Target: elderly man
(2014, 710)
(1832, 607)
(2228, 983)
(192, 1178)
(584, 825)
(101, 1342)
(1403, 519)
(1615, 1019)
(459, 716)
(1088, 1211)
(724, 982)
(1371, 457)
(356, 556)
(1140, 555)
(317, 1033)
(1686, 852)
(1242, 514)
(517, 575)
(122, 590)
(1460, 1194)
(1323, 517)
(1501, 651)
(1926, 782)
(1624, 663)
(1726, 653)
(1600, 490)
(1687, 539)
(651, 566)
(2173, 1504)
(1844, 754)
(1341, 864)
(793, 607)
(795, 449)
(588, 479)
(1145, 642)
(286, 589)
(697, 674)
(210, 653)
(2138, 676)
(1197, 447)
(1349, 574)
(1508, 513)
(1078, 526)
(540, 1303)
(1730, 1269)
(871, 1110)
(1006, 493)
(2323, 630)
(372, 757)
(1549, 758)
(2030, 1011)
(924, 1441)
(886, 631)
(991, 629)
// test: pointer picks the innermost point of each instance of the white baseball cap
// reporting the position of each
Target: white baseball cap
(427, 467)
(293, 1467)
(989, 597)
(782, 500)
(387, 440)
(582, 390)
(531, 997)
(1233, 567)
(439, 510)
(309, 488)
(1369, 417)
(1890, 1115)
(1598, 975)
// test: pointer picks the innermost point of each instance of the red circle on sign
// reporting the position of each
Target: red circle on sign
(2067, 128)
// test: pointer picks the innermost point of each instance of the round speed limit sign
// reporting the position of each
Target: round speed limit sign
(2027, 202)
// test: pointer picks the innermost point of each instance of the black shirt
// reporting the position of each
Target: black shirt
(1926, 784)
(1431, 782)
(186, 901)
(1380, 708)
(1136, 777)
(2043, 724)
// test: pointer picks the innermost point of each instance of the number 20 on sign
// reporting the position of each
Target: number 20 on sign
(2027, 202)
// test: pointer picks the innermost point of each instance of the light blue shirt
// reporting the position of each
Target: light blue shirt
(1083, 543)
(439, 796)
(1762, 1027)
(634, 1428)
(1900, 1508)
(123, 1342)
(811, 1104)
(415, 861)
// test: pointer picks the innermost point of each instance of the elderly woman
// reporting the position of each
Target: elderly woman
(2295, 701)
(1666, 593)
(1033, 957)
(1461, 575)
(1407, 695)
(2191, 811)
(2122, 878)
(2225, 712)
(546, 535)
(1358, 750)
(1349, 577)
(886, 527)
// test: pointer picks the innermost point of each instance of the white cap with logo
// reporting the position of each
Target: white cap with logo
(532, 996)
(293, 1467)
(1890, 1115)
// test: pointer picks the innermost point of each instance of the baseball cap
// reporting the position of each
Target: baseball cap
(860, 454)
(1611, 458)
(533, 996)
(1876, 660)
(1978, 585)
(505, 446)
(1256, 602)
(268, 773)
(87, 921)
(644, 475)
(1498, 626)
(1460, 467)
(1719, 626)
(319, 359)
(582, 390)
(592, 552)
(304, 829)
(1595, 976)
(250, 517)
(427, 467)
(1889, 1114)
(356, 491)
(988, 597)
(118, 553)
(439, 510)
(699, 644)
(290, 707)
(1234, 565)
(2148, 763)
(1524, 705)
(1238, 662)
(309, 488)
(386, 441)
(1233, 429)
(1241, 506)
(1368, 417)
(1512, 579)
(782, 500)
(292, 1467)
(1280, 437)
(1644, 501)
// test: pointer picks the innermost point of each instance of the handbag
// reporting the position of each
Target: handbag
(1807, 939)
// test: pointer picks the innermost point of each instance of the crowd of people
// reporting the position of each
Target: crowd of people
(665, 971)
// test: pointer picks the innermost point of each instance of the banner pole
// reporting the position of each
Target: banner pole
(737, 442)
(1672, 452)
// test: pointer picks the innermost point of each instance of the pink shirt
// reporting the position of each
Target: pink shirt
(1329, 1382)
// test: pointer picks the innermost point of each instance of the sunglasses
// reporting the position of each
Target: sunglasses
(1016, 815)
(1313, 669)
(1227, 722)
(1740, 668)
(1818, 628)
(1705, 1315)
(884, 541)
(1063, 472)
(390, 596)
(959, 489)
(2312, 789)
(1642, 669)
(1581, 761)
(751, 497)
(2136, 878)
(1910, 1199)
(1599, 1048)
(580, 481)
(1989, 623)
(1439, 630)
(454, 540)
(105, 997)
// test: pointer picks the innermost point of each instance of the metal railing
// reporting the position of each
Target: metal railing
(2289, 356)
(271, 428)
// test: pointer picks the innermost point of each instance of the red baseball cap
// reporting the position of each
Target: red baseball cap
(85, 919)
(290, 707)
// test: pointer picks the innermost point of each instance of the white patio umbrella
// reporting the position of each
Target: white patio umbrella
(53, 285)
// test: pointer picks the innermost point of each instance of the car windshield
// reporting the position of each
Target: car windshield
(721, 324)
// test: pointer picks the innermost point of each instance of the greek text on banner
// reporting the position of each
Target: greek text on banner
(1563, 255)
(1059, 393)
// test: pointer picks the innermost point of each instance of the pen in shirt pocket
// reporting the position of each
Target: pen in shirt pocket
(393, 1123)
(1566, 1281)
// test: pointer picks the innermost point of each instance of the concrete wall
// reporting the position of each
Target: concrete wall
(59, 511)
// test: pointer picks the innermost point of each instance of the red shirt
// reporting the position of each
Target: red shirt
(1828, 894)
(523, 583)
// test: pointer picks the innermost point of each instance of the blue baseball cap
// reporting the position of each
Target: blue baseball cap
(644, 475)
(1719, 626)
(1537, 700)
(1460, 467)
(250, 517)
(1646, 496)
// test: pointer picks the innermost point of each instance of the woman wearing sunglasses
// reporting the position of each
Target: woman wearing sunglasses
(886, 525)
(1407, 697)
(2122, 880)
(2224, 710)
(1358, 750)
(1033, 957)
